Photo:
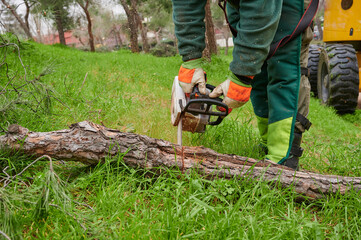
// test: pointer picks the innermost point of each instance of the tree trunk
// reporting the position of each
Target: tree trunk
(226, 34)
(319, 27)
(59, 25)
(317, 20)
(37, 21)
(91, 143)
(132, 22)
(118, 39)
(143, 29)
(24, 26)
(26, 17)
(226, 49)
(143, 32)
(157, 35)
(211, 44)
(90, 32)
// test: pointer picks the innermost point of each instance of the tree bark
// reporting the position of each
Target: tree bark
(37, 21)
(59, 25)
(27, 13)
(90, 32)
(117, 37)
(132, 22)
(319, 27)
(23, 25)
(211, 44)
(143, 29)
(91, 143)
(143, 32)
(226, 34)
(157, 35)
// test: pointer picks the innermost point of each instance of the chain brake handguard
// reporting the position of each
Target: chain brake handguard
(196, 98)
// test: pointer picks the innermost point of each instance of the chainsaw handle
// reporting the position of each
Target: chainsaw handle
(196, 94)
(208, 102)
(218, 121)
(210, 87)
(197, 98)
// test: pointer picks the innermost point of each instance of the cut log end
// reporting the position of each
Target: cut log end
(17, 129)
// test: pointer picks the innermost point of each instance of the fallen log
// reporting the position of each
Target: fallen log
(91, 143)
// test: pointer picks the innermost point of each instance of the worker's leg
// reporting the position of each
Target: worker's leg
(305, 87)
(283, 85)
(302, 123)
(283, 69)
(259, 100)
(256, 22)
(188, 17)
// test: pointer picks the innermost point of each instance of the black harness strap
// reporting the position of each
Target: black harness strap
(304, 121)
(223, 7)
(305, 21)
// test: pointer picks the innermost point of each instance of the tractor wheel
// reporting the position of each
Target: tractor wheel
(313, 57)
(337, 78)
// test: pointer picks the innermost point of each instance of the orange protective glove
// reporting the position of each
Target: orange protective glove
(235, 93)
(190, 74)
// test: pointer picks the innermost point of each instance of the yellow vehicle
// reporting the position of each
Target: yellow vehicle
(335, 66)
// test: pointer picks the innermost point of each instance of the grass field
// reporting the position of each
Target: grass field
(131, 92)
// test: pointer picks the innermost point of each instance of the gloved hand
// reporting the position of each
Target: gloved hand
(235, 93)
(191, 74)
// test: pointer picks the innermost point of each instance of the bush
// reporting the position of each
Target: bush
(163, 50)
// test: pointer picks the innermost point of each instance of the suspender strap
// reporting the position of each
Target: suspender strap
(304, 121)
(305, 21)
(223, 7)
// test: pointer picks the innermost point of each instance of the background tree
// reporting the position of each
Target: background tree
(58, 10)
(143, 32)
(109, 28)
(159, 18)
(37, 19)
(220, 24)
(318, 20)
(131, 11)
(84, 4)
(211, 45)
(24, 23)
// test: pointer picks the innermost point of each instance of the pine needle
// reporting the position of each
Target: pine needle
(53, 191)
(7, 215)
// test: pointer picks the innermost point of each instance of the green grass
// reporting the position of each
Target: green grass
(131, 92)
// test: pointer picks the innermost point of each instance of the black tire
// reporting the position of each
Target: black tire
(313, 58)
(337, 78)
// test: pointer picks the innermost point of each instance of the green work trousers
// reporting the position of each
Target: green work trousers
(275, 90)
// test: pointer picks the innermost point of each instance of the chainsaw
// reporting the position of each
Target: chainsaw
(193, 113)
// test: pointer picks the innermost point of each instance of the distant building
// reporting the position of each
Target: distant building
(115, 39)
(70, 39)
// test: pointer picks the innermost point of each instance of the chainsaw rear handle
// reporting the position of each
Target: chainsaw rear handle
(196, 94)
(208, 102)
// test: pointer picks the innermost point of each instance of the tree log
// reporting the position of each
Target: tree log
(91, 143)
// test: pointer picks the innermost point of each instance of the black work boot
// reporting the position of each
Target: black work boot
(296, 152)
